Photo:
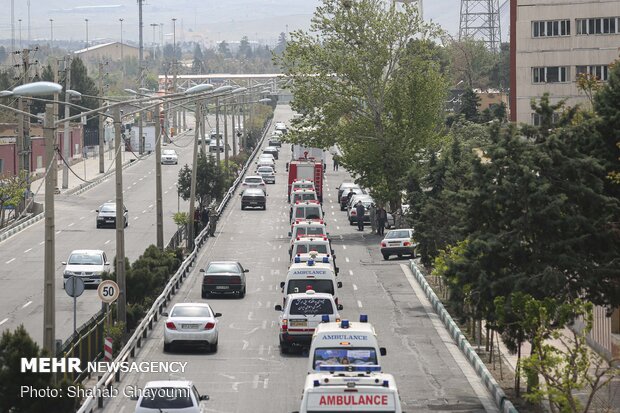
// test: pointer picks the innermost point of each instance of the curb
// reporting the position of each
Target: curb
(474, 360)
(73, 191)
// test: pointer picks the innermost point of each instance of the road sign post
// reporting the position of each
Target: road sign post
(74, 287)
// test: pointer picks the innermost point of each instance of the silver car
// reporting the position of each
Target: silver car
(169, 157)
(267, 173)
(191, 323)
(88, 265)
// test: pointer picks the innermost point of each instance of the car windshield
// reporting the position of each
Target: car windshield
(309, 231)
(320, 286)
(265, 169)
(397, 234)
(253, 180)
(107, 208)
(343, 356)
(311, 306)
(85, 259)
(166, 398)
(309, 185)
(187, 311)
(223, 268)
(305, 248)
(305, 197)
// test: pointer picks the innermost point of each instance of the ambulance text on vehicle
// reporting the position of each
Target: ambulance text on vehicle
(343, 344)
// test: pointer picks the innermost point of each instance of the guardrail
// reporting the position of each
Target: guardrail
(474, 360)
(152, 316)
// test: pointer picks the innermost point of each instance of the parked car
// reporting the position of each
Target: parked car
(254, 198)
(191, 323)
(106, 215)
(169, 156)
(223, 277)
(398, 242)
(169, 395)
(88, 265)
(344, 199)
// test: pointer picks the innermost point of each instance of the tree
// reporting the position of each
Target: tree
(223, 49)
(81, 82)
(357, 84)
(245, 50)
(210, 181)
(471, 62)
(470, 101)
(12, 190)
(198, 65)
(281, 46)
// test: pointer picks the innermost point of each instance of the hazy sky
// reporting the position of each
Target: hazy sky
(202, 20)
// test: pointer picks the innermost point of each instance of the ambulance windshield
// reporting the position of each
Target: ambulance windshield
(338, 356)
(319, 286)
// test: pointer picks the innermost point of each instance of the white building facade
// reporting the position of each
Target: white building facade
(556, 40)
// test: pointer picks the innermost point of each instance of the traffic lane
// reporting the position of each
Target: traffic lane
(247, 369)
(428, 374)
(22, 299)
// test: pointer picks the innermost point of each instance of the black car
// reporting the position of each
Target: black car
(253, 197)
(106, 215)
(223, 277)
(275, 141)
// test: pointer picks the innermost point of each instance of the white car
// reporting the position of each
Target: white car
(191, 323)
(267, 173)
(88, 265)
(398, 242)
(179, 396)
(254, 181)
(169, 156)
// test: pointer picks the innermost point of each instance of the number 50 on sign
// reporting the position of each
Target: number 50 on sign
(108, 291)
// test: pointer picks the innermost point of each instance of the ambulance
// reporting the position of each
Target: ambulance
(317, 248)
(345, 344)
(350, 392)
(306, 211)
(306, 228)
(320, 276)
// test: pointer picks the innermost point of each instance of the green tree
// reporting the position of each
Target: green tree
(471, 62)
(12, 189)
(357, 84)
(281, 46)
(470, 101)
(223, 49)
(210, 181)
(245, 49)
(198, 65)
(81, 82)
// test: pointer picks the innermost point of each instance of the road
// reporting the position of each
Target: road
(21, 256)
(248, 373)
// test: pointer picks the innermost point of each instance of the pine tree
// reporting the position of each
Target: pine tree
(470, 102)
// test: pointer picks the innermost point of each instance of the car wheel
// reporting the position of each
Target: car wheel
(341, 208)
(264, 207)
(386, 257)
(98, 226)
(399, 255)
(242, 293)
(213, 347)
(284, 348)
(167, 347)
(204, 294)
(242, 207)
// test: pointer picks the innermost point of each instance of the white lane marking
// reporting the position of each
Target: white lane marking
(28, 250)
(346, 259)
(333, 213)
(273, 259)
(254, 330)
(337, 227)
(107, 242)
(165, 192)
(135, 218)
(350, 272)
(71, 224)
(27, 304)
(246, 344)
(81, 218)
(58, 232)
(344, 247)
(42, 242)
(354, 287)
(250, 315)
(332, 207)
(459, 358)
(10, 261)
(144, 212)
(335, 220)
(255, 382)
(359, 303)
(151, 206)
(265, 383)
(135, 182)
(4, 321)
(264, 326)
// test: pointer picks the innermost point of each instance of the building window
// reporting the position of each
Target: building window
(537, 118)
(551, 28)
(551, 74)
(601, 72)
(598, 25)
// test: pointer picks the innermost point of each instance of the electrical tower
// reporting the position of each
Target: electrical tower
(480, 21)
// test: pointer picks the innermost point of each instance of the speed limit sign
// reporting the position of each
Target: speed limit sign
(108, 291)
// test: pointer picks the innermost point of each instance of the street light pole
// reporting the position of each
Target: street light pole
(49, 292)
(120, 222)
(122, 60)
(101, 124)
(66, 141)
(225, 141)
(158, 195)
(192, 192)
(86, 20)
(217, 130)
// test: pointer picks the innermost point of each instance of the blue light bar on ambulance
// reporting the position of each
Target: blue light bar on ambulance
(325, 318)
(317, 383)
(297, 259)
(363, 318)
(310, 262)
(344, 324)
(349, 367)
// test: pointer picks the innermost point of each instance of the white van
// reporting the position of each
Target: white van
(319, 276)
(337, 345)
(365, 392)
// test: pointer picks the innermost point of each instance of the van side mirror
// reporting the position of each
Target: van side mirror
(337, 270)
(287, 167)
(290, 234)
(64, 263)
(383, 351)
(216, 315)
(340, 307)
(282, 284)
(339, 284)
(246, 270)
(204, 397)
(278, 307)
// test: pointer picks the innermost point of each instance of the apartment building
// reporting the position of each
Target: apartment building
(553, 41)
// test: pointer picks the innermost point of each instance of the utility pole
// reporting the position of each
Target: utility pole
(201, 127)
(101, 129)
(66, 141)
(141, 76)
(120, 223)
(244, 140)
(225, 141)
(49, 271)
(158, 195)
(174, 73)
(217, 130)
(192, 191)
(54, 171)
(234, 132)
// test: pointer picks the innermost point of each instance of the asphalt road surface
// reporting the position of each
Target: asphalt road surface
(248, 373)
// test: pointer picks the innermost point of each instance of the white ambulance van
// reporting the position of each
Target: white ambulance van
(318, 276)
(365, 392)
(345, 344)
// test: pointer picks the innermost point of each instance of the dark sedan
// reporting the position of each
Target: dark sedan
(223, 277)
(253, 197)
